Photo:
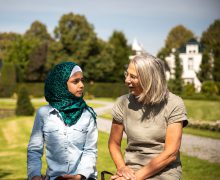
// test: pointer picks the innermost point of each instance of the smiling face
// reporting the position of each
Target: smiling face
(132, 81)
(75, 84)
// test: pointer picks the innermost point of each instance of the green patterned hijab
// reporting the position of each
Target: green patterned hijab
(58, 96)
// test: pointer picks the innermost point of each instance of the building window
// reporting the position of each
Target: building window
(190, 63)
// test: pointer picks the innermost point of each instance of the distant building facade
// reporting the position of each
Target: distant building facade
(191, 57)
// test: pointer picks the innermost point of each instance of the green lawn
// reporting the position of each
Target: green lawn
(197, 109)
(203, 133)
(203, 110)
(14, 136)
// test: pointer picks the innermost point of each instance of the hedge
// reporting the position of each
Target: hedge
(7, 80)
(98, 89)
(211, 126)
(106, 89)
(91, 89)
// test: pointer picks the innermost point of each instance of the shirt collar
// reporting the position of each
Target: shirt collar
(51, 110)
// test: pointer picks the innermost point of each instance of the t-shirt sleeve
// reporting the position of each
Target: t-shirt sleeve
(118, 110)
(178, 112)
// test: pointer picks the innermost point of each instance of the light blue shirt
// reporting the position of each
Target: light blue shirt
(69, 149)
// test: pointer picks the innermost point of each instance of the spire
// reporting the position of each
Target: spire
(137, 47)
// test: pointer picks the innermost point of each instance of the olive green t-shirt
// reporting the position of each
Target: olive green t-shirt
(145, 127)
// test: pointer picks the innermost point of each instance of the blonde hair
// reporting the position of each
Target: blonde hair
(151, 74)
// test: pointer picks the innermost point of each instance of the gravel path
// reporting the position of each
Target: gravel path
(200, 147)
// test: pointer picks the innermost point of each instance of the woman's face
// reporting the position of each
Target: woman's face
(132, 81)
(75, 84)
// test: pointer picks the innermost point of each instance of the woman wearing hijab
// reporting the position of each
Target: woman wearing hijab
(66, 127)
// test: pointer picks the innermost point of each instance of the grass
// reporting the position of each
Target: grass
(186, 130)
(203, 110)
(15, 133)
(197, 109)
(203, 133)
(197, 169)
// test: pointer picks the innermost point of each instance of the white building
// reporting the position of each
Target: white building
(191, 57)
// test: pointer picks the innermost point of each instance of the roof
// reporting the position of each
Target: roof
(192, 41)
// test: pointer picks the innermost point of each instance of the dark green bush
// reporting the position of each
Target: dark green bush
(91, 89)
(200, 96)
(7, 80)
(211, 126)
(209, 88)
(106, 89)
(188, 89)
(24, 106)
(218, 85)
(34, 89)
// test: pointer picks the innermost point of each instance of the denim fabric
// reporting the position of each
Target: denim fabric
(69, 149)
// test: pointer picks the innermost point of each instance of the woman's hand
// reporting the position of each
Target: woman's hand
(126, 172)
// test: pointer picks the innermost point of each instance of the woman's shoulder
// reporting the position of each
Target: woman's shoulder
(174, 100)
(122, 98)
(44, 110)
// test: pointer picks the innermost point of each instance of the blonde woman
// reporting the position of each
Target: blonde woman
(152, 118)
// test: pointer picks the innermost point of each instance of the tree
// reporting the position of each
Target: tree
(100, 67)
(189, 89)
(209, 88)
(177, 37)
(55, 54)
(211, 39)
(205, 72)
(121, 52)
(19, 55)
(24, 106)
(7, 80)
(163, 53)
(77, 37)
(36, 71)
(211, 36)
(177, 83)
(216, 65)
(6, 41)
(38, 30)
(38, 34)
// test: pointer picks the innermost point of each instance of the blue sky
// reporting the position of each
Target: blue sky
(148, 21)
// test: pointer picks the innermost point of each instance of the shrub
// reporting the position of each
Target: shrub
(24, 106)
(218, 85)
(209, 88)
(106, 89)
(188, 89)
(34, 89)
(7, 80)
(211, 126)
(95, 89)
